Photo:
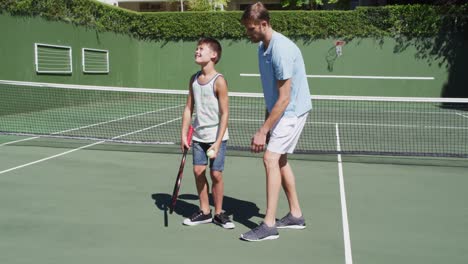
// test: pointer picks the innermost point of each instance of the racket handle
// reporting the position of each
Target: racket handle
(189, 135)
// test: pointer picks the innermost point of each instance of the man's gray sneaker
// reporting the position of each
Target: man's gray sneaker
(289, 221)
(261, 232)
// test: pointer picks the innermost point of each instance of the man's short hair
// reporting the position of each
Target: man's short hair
(255, 13)
(213, 44)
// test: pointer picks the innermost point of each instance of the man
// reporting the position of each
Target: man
(288, 103)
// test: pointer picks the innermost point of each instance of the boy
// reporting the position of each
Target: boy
(208, 99)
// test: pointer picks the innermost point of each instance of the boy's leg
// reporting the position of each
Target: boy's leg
(217, 190)
(220, 218)
(216, 173)
(202, 187)
(200, 163)
(199, 170)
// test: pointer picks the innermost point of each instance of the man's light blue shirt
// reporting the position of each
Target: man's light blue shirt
(281, 61)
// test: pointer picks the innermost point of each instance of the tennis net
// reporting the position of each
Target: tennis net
(337, 124)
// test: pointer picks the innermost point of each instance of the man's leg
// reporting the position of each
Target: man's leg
(273, 185)
(267, 230)
(288, 182)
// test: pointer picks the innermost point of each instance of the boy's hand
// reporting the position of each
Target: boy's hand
(183, 144)
(212, 152)
(186, 140)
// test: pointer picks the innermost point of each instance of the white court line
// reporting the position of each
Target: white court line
(354, 77)
(344, 210)
(465, 116)
(246, 120)
(87, 146)
(94, 88)
(387, 125)
(93, 125)
(16, 141)
(48, 158)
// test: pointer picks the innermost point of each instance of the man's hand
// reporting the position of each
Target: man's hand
(258, 141)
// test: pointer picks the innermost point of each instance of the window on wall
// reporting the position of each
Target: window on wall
(150, 7)
(52, 59)
(95, 60)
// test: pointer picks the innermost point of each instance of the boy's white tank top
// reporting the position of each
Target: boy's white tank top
(206, 109)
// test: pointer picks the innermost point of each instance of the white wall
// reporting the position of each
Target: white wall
(110, 2)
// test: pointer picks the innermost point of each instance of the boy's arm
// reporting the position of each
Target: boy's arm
(187, 116)
(221, 91)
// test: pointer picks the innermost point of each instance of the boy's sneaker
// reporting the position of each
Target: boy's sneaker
(289, 221)
(261, 232)
(198, 218)
(223, 220)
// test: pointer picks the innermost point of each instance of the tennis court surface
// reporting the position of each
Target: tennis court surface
(86, 180)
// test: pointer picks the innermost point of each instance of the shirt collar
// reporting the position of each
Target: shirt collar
(268, 51)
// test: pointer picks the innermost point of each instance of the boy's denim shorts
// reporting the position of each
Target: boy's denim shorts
(199, 155)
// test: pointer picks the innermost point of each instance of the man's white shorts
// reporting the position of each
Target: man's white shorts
(285, 134)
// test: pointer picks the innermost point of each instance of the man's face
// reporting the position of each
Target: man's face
(255, 31)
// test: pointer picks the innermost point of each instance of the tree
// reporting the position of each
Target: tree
(207, 5)
(314, 4)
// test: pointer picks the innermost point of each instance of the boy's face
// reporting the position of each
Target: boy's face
(255, 30)
(204, 54)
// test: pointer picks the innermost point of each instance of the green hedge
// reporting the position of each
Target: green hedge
(407, 20)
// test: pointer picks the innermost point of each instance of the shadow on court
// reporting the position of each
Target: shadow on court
(240, 210)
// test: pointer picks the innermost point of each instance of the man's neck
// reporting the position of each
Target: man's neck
(268, 35)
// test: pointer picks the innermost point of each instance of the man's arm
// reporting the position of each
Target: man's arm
(284, 96)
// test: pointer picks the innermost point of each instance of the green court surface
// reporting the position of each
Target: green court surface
(103, 206)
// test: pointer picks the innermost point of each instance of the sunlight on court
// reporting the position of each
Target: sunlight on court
(111, 206)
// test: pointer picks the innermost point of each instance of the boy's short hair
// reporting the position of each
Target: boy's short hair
(213, 44)
(255, 13)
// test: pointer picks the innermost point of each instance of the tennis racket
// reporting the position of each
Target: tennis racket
(175, 192)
